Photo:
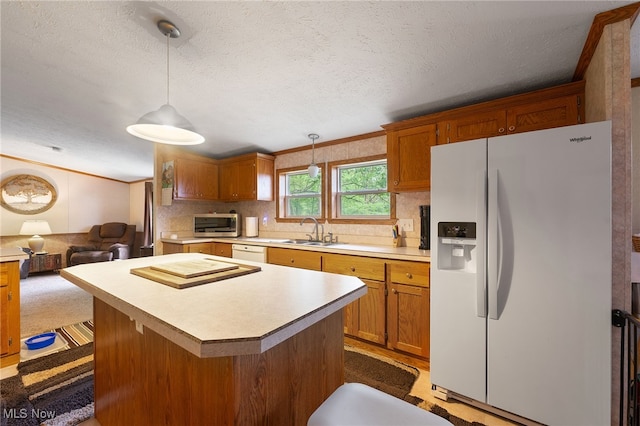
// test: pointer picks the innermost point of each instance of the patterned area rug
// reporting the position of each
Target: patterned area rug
(380, 372)
(77, 334)
(55, 389)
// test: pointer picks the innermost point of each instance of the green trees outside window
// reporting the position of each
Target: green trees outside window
(303, 196)
(362, 190)
(356, 190)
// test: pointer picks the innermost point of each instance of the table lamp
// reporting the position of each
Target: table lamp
(36, 228)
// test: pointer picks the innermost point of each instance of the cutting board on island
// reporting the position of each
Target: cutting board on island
(194, 272)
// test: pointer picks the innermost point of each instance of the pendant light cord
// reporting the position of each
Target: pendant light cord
(313, 138)
(168, 36)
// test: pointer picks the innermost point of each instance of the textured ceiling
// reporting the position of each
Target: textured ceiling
(262, 75)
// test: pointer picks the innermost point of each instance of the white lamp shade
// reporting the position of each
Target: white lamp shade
(35, 228)
(313, 170)
(165, 126)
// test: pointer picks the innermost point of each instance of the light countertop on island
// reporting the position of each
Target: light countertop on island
(243, 315)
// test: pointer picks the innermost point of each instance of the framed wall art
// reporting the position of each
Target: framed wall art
(27, 194)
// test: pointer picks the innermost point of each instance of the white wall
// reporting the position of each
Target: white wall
(136, 205)
(83, 200)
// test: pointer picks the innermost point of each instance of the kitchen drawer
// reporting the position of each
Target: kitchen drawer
(412, 273)
(205, 248)
(295, 258)
(223, 249)
(361, 267)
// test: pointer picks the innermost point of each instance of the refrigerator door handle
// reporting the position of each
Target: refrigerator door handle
(493, 243)
(481, 214)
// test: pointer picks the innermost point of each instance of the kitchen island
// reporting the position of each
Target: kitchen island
(262, 348)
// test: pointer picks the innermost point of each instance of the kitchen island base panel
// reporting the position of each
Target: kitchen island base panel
(143, 379)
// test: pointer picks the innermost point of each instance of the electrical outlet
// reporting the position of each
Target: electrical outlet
(405, 225)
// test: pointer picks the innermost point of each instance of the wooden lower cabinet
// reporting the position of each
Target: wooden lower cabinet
(218, 249)
(295, 258)
(9, 313)
(394, 312)
(408, 308)
(364, 318)
(223, 249)
(171, 248)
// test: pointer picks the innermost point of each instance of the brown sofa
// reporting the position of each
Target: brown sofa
(110, 241)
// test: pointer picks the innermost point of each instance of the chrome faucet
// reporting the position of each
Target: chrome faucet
(315, 228)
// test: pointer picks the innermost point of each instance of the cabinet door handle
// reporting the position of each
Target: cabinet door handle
(409, 275)
(293, 261)
(353, 269)
(512, 128)
(395, 182)
(394, 291)
(501, 130)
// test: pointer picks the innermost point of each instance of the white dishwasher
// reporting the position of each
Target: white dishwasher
(254, 253)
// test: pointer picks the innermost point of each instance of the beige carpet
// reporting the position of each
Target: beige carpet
(49, 301)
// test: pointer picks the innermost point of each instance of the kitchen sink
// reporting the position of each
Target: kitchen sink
(304, 242)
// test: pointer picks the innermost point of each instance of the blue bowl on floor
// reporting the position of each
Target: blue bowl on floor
(40, 341)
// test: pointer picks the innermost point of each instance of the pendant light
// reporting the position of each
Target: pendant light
(313, 168)
(165, 125)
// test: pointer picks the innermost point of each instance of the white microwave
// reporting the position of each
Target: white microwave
(217, 225)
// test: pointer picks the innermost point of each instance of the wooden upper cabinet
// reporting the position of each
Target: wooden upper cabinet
(247, 177)
(247, 180)
(543, 109)
(195, 180)
(409, 158)
(228, 175)
(546, 114)
(477, 126)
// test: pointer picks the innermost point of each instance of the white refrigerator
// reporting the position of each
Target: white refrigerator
(521, 273)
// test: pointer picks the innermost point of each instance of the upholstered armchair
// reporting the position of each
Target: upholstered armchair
(110, 241)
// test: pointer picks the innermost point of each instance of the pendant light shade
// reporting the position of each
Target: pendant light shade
(313, 169)
(165, 125)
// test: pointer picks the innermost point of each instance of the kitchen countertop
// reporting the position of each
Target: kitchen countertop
(237, 316)
(10, 254)
(385, 252)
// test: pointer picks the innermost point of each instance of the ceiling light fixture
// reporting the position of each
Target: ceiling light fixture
(313, 168)
(165, 125)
